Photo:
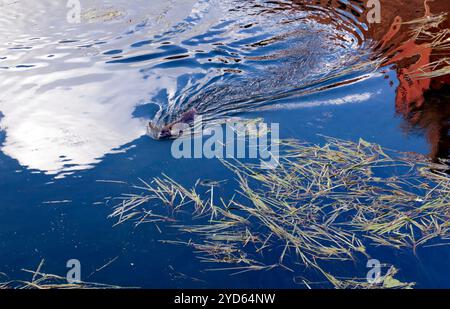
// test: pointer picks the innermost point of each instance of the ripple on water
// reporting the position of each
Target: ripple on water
(69, 91)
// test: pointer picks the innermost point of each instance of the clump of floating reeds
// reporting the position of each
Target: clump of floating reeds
(386, 281)
(101, 14)
(42, 281)
(431, 34)
(321, 204)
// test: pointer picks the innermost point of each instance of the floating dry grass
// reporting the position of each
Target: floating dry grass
(430, 32)
(42, 281)
(322, 204)
(386, 281)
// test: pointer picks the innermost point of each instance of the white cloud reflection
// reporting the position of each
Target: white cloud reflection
(70, 128)
(63, 107)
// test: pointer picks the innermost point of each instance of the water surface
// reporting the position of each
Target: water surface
(75, 100)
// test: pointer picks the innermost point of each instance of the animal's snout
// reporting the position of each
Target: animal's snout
(173, 130)
(167, 132)
(154, 131)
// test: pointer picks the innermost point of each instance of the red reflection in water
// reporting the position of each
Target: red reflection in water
(414, 38)
(418, 45)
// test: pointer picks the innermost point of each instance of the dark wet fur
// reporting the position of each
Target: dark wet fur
(168, 132)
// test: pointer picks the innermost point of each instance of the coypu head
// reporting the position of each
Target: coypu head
(174, 129)
(161, 133)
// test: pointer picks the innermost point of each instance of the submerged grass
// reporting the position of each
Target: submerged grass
(321, 204)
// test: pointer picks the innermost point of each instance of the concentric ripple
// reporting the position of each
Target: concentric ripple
(69, 92)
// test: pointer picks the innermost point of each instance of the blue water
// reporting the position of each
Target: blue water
(75, 100)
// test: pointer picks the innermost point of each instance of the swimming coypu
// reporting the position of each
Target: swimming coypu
(173, 129)
(408, 40)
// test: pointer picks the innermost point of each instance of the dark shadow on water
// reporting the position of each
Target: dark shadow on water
(433, 120)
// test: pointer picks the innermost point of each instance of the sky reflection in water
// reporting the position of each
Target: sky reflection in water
(69, 90)
(75, 100)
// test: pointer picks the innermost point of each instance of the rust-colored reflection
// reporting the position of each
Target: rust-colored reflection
(413, 37)
(417, 43)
